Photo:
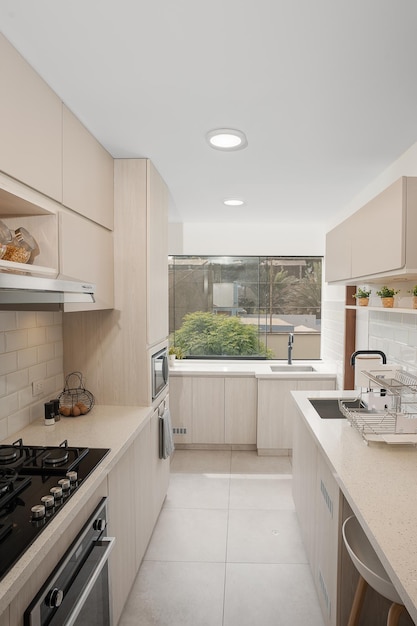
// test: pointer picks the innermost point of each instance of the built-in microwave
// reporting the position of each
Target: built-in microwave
(159, 372)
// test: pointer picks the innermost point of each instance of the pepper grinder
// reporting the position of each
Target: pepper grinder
(49, 414)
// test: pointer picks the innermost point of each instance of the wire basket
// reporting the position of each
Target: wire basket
(75, 399)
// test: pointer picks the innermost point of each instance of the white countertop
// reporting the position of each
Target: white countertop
(379, 482)
(259, 369)
(113, 427)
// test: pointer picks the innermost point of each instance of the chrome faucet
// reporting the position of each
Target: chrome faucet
(290, 343)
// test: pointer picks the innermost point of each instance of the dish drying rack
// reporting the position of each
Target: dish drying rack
(388, 410)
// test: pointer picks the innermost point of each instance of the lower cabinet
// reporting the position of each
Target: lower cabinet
(213, 410)
(137, 487)
(276, 411)
(318, 504)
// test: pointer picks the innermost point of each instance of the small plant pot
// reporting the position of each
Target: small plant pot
(171, 359)
(414, 302)
(363, 301)
(387, 303)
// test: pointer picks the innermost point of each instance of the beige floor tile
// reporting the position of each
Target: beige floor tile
(261, 491)
(189, 535)
(200, 461)
(198, 491)
(256, 536)
(271, 595)
(176, 594)
(248, 462)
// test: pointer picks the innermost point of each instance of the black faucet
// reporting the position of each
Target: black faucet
(290, 343)
(355, 354)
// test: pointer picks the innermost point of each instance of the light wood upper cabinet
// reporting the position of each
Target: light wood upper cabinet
(141, 203)
(157, 249)
(30, 125)
(87, 172)
(376, 242)
(86, 253)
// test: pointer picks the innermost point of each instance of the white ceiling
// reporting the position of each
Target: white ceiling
(325, 90)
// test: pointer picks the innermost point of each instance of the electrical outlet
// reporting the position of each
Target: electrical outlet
(37, 387)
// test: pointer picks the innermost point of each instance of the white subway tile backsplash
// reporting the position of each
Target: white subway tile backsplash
(27, 358)
(16, 340)
(31, 349)
(25, 319)
(17, 381)
(8, 320)
(46, 352)
(18, 420)
(53, 333)
(36, 336)
(8, 405)
(8, 362)
(45, 318)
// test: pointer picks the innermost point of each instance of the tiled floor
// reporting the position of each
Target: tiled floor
(226, 550)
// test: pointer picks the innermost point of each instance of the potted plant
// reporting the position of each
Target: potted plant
(413, 291)
(175, 352)
(387, 296)
(362, 296)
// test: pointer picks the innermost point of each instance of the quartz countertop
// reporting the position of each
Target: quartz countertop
(379, 482)
(258, 369)
(113, 427)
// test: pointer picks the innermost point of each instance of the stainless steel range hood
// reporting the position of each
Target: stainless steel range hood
(26, 291)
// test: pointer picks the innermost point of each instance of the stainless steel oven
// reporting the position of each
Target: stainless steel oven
(78, 592)
(159, 372)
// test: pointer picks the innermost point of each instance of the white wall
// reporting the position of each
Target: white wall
(252, 239)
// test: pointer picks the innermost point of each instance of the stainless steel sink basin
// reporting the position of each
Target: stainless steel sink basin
(292, 368)
(328, 408)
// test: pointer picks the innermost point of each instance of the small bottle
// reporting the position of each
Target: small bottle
(49, 414)
(57, 414)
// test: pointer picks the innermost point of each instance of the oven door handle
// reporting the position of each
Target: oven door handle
(75, 599)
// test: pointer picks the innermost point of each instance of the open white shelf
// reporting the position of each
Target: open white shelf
(381, 308)
(9, 266)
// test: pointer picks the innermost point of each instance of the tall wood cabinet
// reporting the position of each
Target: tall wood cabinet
(113, 348)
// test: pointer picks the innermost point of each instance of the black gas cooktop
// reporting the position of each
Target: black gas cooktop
(35, 483)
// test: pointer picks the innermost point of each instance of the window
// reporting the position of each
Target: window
(245, 307)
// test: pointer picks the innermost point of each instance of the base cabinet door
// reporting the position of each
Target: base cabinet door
(159, 468)
(122, 519)
(318, 504)
(277, 411)
(240, 398)
(208, 410)
(143, 492)
(304, 464)
(327, 540)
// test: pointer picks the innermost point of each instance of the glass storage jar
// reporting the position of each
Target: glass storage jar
(16, 246)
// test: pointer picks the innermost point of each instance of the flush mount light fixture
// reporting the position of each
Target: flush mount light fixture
(227, 139)
(233, 202)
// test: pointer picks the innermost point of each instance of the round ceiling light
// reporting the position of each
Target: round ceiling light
(233, 202)
(227, 139)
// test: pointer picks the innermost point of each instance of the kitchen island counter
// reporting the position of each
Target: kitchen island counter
(113, 427)
(378, 481)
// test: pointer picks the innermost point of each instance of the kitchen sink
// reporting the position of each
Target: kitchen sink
(292, 368)
(328, 408)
